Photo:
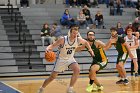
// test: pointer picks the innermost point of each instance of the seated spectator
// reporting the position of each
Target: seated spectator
(137, 13)
(86, 11)
(136, 24)
(73, 3)
(107, 3)
(66, 19)
(56, 32)
(81, 19)
(118, 9)
(99, 19)
(120, 29)
(24, 2)
(85, 2)
(130, 3)
(93, 3)
(45, 34)
(111, 4)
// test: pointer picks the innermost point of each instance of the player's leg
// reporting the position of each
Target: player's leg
(47, 81)
(92, 74)
(76, 70)
(135, 62)
(120, 67)
(93, 79)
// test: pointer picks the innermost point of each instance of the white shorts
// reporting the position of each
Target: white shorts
(134, 53)
(62, 64)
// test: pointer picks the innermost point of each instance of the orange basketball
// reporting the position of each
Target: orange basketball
(50, 56)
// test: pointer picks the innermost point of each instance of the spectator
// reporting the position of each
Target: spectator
(24, 2)
(118, 9)
(129, 3)
(81, 19)
(73, 3)
(111, 4)
(130, 26)
(120, 29)
(107, 3)
(99, 19)
(45, 34)
(66, 19)
(137, 13)
(93, 3)
(136, 24)
(56, 32)
(86, 11)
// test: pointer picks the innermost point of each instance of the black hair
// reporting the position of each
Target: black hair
(113, 28)
(90, 31)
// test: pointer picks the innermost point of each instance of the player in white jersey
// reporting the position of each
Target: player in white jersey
(133, 43)
(67, 45)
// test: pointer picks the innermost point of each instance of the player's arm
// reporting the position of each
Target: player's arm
(128, 49)
(136, 44)
(87, 45)
(108, 44)
(100, 43)
(55, 44)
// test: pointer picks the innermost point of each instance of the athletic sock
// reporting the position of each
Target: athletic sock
(91, 82)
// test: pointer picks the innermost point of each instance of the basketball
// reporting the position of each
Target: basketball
(50, 56)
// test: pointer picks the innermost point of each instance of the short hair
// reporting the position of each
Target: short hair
(113, 28)
(73, 26)
(55, 24)
(90, 31)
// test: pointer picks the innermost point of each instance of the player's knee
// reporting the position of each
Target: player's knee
(93, 70)
(118, 66)
(76, 70)
(52, 77)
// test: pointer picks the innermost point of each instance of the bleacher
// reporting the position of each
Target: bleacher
(24, 55)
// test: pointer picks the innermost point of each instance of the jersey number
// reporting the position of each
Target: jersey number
(69, 51)
(130, 44)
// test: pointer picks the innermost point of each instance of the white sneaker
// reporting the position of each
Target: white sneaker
(21, 7)
(70, 6)
(70, 90)
(40, 90)
(87, 27)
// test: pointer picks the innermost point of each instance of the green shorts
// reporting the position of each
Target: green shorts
(101, 64)
(122, 57)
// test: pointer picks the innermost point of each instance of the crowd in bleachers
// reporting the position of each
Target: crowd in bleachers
(85, 20)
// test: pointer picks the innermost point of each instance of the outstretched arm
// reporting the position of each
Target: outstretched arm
(108, 45)
(85, 44)
(55, 44)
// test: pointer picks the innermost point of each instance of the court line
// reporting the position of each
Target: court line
(12, 87)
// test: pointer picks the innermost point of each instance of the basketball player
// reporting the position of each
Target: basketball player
(67, 45)
(133, 43)
(99, 61)
(123, 52)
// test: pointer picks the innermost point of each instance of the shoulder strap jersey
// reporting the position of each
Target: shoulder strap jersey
(68, 49)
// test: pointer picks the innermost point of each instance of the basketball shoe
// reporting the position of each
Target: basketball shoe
(89, 88)
(40, 90)
(70, 90)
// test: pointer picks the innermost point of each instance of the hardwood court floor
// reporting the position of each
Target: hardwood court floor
(31, 84)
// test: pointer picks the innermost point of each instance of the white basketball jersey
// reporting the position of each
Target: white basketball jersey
(68, 49)
(130, 41)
